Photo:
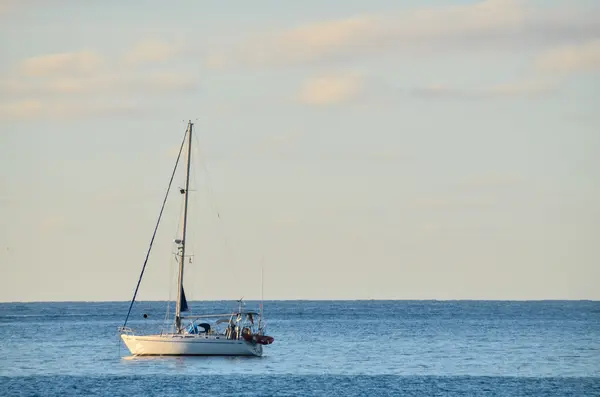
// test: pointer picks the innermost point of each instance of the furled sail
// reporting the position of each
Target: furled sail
(183, 306)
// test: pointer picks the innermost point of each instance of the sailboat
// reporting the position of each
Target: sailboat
(238, 333)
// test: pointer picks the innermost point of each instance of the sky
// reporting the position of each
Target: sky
(351, 149)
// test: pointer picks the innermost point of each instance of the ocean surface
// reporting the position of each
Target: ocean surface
(326, 348)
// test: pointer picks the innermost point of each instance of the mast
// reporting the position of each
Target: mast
(183, 237)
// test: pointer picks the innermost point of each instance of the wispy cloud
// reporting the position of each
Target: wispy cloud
(154, 50)
(560, 40)
(572, 58)
(372, 90)
(102, 83)
(493, 182)
(519, 88)
(67, 110)
(486, 26)
(9, 6)
(330, 90)
(68, 63)
(85, 83)
(311, 42)
(51, 224)
(555, 36)
(448, 202)
(547, 72)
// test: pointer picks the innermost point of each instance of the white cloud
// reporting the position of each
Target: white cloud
(87, 96)
(102, 83)
(308, 43)
(12, 8)
(571, 58)
(21, 109)
(446, 202)
(153, 51)
(493, 181)
(354, 88)
(519, 88)
(9, 6)
(84, 83)
(68, 110)
(548, 71)
(67, 63)
(51, 224)
(490, 25)
(330, 89)
(6, 6)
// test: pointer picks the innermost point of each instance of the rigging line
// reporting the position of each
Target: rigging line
(213, 204)
(168, 309)
(155, 229)
(194, 231)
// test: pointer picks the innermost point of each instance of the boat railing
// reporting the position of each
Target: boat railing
(125, 330)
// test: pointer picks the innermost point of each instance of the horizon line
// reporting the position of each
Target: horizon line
(315, 300)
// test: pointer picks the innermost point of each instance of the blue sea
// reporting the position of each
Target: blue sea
(321, 348)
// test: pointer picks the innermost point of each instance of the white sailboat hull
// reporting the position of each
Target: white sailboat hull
(189, 345)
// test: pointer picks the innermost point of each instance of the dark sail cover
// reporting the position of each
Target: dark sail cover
(183, 306)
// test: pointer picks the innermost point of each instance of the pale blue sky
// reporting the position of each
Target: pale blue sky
(382, 149)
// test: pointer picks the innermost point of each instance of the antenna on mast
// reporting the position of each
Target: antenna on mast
(262, 289)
